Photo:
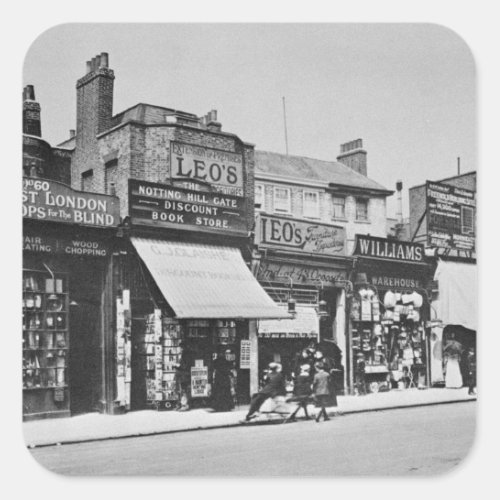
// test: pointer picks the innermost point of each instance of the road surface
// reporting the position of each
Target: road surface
(413, 441)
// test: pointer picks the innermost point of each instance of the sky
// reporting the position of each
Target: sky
(408, 89)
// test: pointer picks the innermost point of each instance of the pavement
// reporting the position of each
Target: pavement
(96, 426)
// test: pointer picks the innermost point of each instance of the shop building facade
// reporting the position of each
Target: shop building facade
(184, 288)
(308, 212)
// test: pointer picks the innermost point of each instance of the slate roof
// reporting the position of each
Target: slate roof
(300, 167)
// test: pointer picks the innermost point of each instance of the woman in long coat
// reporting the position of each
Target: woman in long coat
(222, 399)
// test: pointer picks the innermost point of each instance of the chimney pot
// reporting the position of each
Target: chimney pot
(72, 133)
(30, 92)
(104, 60)
(89, 67)
(97, 62)
(94, 65)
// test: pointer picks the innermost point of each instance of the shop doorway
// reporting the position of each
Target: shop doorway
(84, 331)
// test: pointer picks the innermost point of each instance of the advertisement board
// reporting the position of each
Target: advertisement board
(199, 382)
(451, 216)
(300, 235)
(383, 248)
(161, 205)
(46, 200)
(221, 169)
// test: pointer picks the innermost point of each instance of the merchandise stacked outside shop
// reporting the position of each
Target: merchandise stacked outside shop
(389, 316)
(67, 252)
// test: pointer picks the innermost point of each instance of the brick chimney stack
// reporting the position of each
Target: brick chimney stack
(94, 101)
(32, 124)
(353, 155)
(211, 121)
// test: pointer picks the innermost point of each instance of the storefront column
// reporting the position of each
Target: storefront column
(254, 358)
(340, 332)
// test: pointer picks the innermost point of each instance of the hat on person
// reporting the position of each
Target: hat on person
(318, 355)
(274, 366)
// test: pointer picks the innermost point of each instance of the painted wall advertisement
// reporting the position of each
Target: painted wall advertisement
(451, 216)
(282, 271)
(300, 235)
(199, 381)
(161, 205)
(221, 169)
(53, 201)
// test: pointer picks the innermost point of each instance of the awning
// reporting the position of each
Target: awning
(205, 281)
(304, 325)
(457, 304)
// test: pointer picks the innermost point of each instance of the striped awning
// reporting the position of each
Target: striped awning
(205, 281)
(305, 324)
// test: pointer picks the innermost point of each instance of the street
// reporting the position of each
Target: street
(415, 441)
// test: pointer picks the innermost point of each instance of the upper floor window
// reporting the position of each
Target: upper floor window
(338, 207)
(282, 200)
(259, 197)
(311, 204)
(361, 209)
(110, 177)
(87, 180)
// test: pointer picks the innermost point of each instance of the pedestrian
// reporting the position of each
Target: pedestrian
(222, 399)
(274, 386)
(470, 361)
(302, 392)
(321, 390)
(359, 374)
(183, 378)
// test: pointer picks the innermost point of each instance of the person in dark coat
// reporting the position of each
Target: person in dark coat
(470, 363)
(222, 399)
(359, 374)
(302, 392)
(275, 386)
(321, 390)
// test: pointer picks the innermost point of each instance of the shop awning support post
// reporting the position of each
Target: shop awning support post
(254, 358)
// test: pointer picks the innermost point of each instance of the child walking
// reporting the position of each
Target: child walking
(302, 392)
(321, 390)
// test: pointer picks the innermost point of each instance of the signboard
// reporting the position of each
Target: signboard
(245, 346)
(68, 246)
(221, 169)
(382, 248)
(451, 216)
(53, 201)
(199, 382)
(300, 235)
(161, 205)
(278, 271)
(395, 282)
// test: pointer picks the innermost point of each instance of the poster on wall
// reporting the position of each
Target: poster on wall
(199, 382)
(451, 216)
(245, 354)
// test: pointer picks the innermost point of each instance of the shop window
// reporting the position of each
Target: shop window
(311, 204)
(468, 220)
(338, 207)
(110, 177)
(361, 209)
(282, 200)
(260, 199)
(87, 180)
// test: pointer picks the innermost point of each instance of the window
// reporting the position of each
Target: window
(259, 197)
(87, 178)
(311, 204)
(338, 207)
(110, 177)
(282, 200)
(361, 209)
(467, 220)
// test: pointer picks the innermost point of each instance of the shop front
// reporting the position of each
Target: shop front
(191, 298)
(68, 240)
(389, 316)
(303, 267)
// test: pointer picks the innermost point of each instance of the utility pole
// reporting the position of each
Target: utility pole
(284, 120)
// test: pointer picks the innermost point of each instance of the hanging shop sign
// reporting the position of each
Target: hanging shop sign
(53, 201)
(301, 236)
(278, 271)
(221, 169)
(382, 248)
(199, 381)
(80, 247)
(161, 205)
(451, 214)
